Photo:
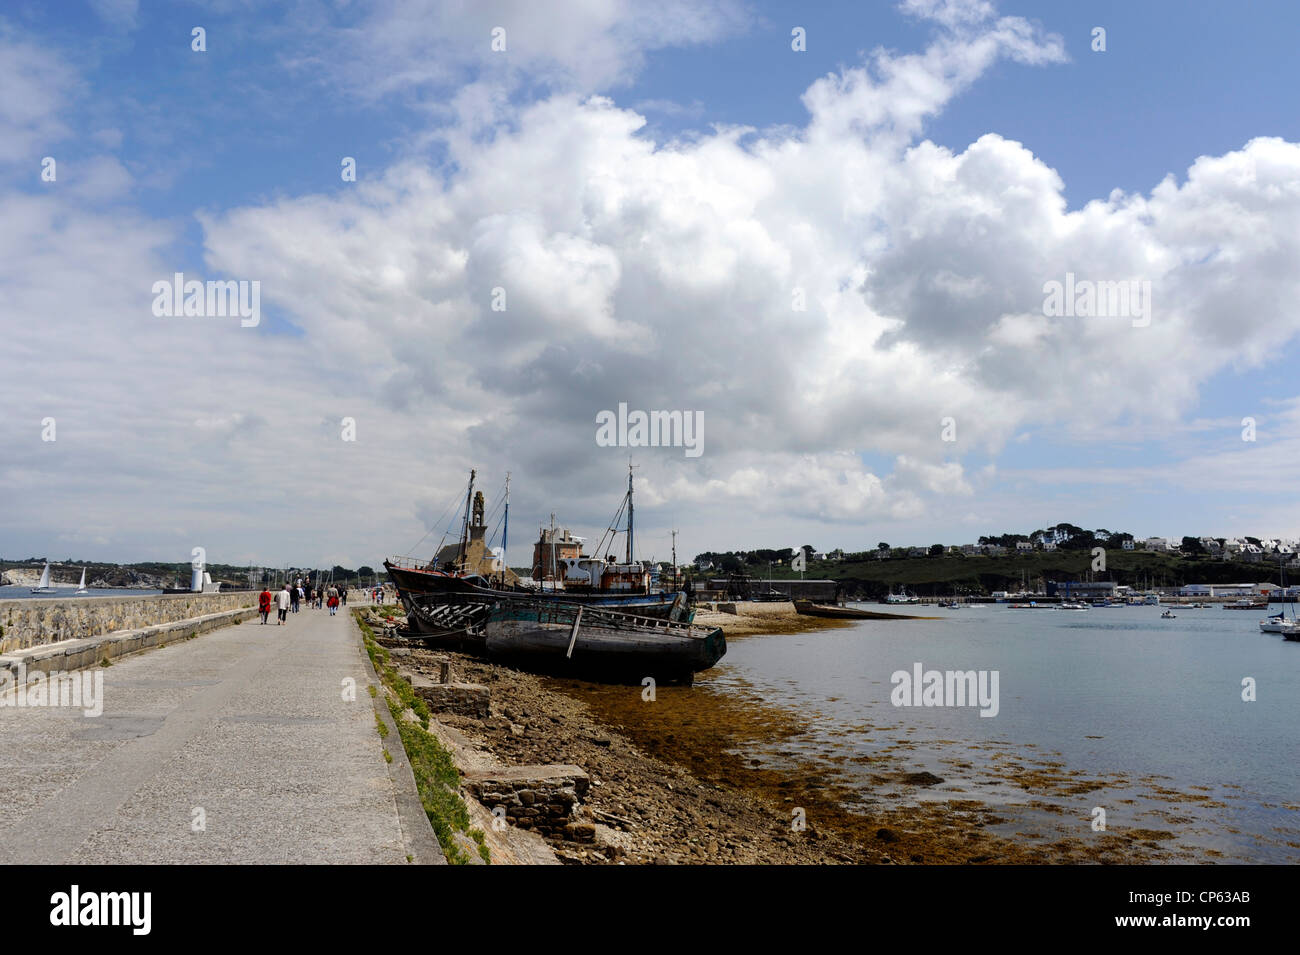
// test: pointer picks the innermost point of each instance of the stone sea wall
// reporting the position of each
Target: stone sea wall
(38, 621)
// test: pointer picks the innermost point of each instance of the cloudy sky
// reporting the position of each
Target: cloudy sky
(822, 253)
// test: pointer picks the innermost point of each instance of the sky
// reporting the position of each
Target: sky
(827, 234)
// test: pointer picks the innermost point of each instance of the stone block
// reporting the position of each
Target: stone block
(462, 699)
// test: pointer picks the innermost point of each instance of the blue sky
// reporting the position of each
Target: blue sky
(1177, 80)
(226, 163)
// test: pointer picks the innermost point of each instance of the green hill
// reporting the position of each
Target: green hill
(980, 575)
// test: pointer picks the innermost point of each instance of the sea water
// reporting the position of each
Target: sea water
(1150, 710)
(64, 592)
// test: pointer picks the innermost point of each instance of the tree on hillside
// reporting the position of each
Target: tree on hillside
(936, 550)
(365, 571)
(1004, 540)
(1192, 545)
(1084, 540)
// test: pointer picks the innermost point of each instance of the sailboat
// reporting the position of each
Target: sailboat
(44, 586)
(81, 587)
(1278, 622)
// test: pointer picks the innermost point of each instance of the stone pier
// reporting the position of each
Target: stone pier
(38, 621)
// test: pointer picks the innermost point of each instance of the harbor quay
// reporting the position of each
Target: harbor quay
(239, 743)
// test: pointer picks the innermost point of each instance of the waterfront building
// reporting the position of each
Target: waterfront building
(1226, 590)
(1086, 589)
(554, 545)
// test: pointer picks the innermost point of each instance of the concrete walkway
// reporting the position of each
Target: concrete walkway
(244, 729)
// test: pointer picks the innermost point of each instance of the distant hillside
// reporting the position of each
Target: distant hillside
(146, 575)
(952, 573)
(134, 576)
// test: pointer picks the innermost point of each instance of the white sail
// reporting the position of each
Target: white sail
(44, 586)
(81, 587)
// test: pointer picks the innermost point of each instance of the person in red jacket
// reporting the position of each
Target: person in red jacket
(264, 604)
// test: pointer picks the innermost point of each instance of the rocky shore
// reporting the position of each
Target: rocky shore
(637, 808)
(675, 779)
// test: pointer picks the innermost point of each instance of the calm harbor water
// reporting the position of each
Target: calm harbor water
(67, 593)
(1112, 708)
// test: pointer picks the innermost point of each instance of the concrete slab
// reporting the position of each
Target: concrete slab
(252, 744)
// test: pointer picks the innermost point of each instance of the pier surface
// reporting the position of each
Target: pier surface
(235, 747)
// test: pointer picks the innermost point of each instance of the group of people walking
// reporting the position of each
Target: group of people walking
(292, 596)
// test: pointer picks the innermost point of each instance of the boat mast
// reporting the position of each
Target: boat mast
(464, 525)
(505, 532)
(629, 510)
(554, 569)
(675, 560)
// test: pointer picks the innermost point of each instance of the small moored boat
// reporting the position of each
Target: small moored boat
(809, 609)
(1246, 603)
(586, 638)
